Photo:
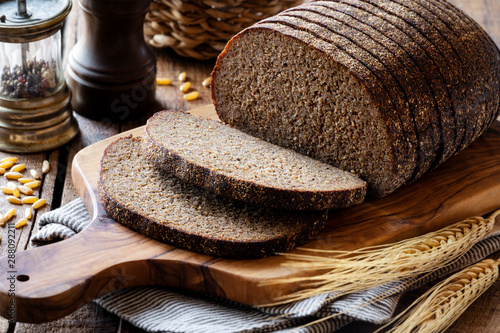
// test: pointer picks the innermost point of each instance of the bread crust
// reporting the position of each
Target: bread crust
(240, 189)
(124, 213)
(485, 61)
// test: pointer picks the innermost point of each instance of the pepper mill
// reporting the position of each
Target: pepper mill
(111, 70)
(35, 102)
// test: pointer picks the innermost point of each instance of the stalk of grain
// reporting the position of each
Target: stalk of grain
(438, 308)
(373, 266)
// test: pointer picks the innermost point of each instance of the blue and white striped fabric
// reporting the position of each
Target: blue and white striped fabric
(158, 309)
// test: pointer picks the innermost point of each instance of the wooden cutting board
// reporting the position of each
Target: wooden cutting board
(55, 280)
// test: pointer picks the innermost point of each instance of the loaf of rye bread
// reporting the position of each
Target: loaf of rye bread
(224, 160)
(137, 194)
(386, 88)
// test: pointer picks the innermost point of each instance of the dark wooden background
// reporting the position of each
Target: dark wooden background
(58, 189)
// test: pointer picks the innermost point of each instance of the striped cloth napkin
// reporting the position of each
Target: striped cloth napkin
(160, 309)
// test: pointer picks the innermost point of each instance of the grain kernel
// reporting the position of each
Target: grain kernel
(182, 76)
(21, 223)
(18, 168)
(25, 190)
(2, 171)
(7, 190)
(10, 159)
(15, 193)
(25, 180)
(29, 200)
(2, 221)
(163, 81)
(28, 214)
(191, 96)
(6, 164)
(38, 204)
(45, 166)
(185, 86)
(33, 184)
(9, 214)
(34, 174)
(207, 82)
(14, 200)
(13, 175)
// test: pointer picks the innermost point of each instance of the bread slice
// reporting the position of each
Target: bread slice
(153, 202)
(221, 159)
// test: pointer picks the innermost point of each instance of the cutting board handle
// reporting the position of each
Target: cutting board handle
(49, 282)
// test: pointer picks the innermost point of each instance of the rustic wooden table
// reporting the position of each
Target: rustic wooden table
(58, 189)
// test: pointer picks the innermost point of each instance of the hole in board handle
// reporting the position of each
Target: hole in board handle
(23, 278)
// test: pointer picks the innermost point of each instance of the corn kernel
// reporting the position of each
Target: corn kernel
(15, 193)
(25, 190)
(9, 214)
(14, 200)
(13, 175)
(207, 82)
(185, 86)
(9, 159)
(29, 200)
(7, 190)
(18, 168)
(191, 96)
(28, 214)
(33, 184)
(163, 81)
(25, 180)
(45, 166)
(21, 223)
(34, 174)
(182, 76)
(38, 204)
(6, 164)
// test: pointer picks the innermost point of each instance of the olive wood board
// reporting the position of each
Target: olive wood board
(57, 279)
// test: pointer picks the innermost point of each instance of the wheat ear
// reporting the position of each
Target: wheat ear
(439, 307)
(346, 272)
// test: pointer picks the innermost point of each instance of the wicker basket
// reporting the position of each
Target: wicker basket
(200, 28)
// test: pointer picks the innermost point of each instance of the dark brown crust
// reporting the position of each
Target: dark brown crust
(205, 245)
(239, 189)
(401, 21)
(447, 41)
(488, 59)
(439, 94)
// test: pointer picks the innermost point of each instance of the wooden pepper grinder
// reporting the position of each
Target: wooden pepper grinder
(111, 70)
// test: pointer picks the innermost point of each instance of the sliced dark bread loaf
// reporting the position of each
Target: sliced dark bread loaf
(224, 160)
(293, 80)
(153, 202)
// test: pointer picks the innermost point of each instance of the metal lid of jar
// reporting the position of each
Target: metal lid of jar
(42, 19)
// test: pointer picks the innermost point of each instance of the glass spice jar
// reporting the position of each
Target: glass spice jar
(35, 101)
